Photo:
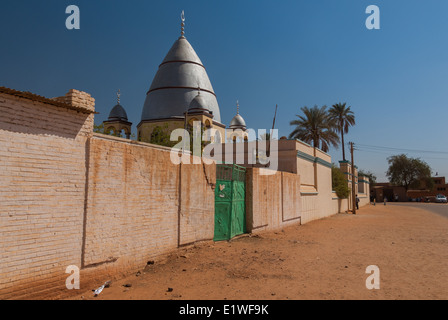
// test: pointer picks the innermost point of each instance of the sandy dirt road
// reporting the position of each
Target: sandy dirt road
(324, 259)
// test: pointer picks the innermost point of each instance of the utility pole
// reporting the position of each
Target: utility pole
(353, 181)
(268, 153)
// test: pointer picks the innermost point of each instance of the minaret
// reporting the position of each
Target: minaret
(118, 120)
(238, 125)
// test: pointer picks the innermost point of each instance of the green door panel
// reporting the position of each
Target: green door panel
(230, 207)
(222, 221)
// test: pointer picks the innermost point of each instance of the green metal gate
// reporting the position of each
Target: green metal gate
(230, 206)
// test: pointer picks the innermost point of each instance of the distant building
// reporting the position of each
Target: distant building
(389, 191)
(397, 193)
(440, 187)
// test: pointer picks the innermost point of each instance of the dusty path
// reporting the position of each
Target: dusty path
(325, 259)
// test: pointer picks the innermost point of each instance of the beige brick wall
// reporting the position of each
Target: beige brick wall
(42, 174)
(104, 204)
(132, 202)
(133, 211)
(197, 211)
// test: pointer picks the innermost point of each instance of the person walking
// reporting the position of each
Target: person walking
(385, 200)
(357, 202)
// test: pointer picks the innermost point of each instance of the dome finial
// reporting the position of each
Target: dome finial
(118, 96)
(182, 29)
(237, 107)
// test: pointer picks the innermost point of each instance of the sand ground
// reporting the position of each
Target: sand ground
(324, 259)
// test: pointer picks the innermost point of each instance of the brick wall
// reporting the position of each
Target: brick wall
(42, 175)
(71, 197)
(133, 210)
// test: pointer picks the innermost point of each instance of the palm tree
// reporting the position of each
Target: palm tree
(344, 118)
(315, 127)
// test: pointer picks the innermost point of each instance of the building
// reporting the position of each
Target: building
(440, 187)
(398, 193)
(390, 192)
(180, 95)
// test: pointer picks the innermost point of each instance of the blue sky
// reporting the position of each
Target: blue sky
(263, 53)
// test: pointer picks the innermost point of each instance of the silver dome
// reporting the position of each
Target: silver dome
(176, 84)
(237, 122)
(198, 104)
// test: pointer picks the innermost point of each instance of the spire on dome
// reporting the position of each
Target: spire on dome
(182, 29)
(238, 121)
(118, 96)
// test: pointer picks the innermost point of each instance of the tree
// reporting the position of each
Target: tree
(98, 128)
(339, 183)
(161, 136)
(409, 172)
(344, 118)
(315, 127)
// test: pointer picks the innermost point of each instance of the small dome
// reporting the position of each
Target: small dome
(198, 104)
(118, 113)
(237, 122)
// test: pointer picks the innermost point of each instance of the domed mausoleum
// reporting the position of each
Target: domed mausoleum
(180, 90)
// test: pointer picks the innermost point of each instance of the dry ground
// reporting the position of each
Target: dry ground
(324, 259)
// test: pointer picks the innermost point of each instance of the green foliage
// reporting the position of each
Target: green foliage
(339, 183)
(343, 118)
(315, 127)
(409, 172)
(100, 129)
(161, 136)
